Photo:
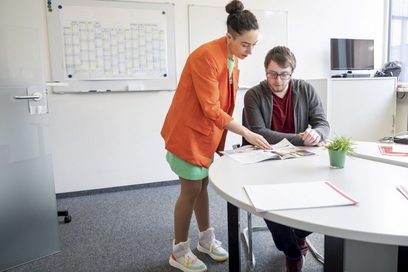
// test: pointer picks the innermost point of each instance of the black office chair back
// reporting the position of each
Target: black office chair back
(245, 124)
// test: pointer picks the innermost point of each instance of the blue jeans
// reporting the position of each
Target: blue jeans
(286, 239)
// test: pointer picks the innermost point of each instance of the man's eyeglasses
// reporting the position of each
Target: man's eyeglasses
(275, 75)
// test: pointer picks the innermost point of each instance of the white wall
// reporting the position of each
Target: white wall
(401, 121)
(107, 140)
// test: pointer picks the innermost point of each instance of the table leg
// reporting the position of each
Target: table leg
(233, 238)
(402, 258)
(333, 254)
(351, 255)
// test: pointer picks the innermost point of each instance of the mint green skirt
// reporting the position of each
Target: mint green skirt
(185, 169)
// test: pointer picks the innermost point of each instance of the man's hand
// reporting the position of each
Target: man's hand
(310, 137)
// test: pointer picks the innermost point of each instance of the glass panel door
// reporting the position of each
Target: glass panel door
(28, 212)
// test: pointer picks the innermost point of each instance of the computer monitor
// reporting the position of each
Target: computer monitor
(351, 54)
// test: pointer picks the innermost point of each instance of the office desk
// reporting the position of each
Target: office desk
(370, 151)
(363, 237)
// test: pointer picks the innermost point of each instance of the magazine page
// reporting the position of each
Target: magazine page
(286, 150)
(280, 151)
(250, 154)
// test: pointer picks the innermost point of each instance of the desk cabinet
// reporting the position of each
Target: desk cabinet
(360, 108)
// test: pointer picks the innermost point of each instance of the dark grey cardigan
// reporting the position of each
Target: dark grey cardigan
(308, 110)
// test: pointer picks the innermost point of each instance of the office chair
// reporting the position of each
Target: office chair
(67, 217)
(248, 231)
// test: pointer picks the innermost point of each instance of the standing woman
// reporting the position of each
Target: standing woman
(195, 128)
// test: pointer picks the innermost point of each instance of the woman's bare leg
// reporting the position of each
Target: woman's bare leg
(189, 193)
(201, 209)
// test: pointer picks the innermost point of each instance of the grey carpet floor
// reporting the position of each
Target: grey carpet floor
(132, 231)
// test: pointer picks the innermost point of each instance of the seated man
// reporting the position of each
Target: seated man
(283, 107)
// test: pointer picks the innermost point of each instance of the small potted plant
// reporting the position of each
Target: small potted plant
(338, 148)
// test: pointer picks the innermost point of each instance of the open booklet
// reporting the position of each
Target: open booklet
(280, 151)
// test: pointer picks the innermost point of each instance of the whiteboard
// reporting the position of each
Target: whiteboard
(273, 28)
(112, 45)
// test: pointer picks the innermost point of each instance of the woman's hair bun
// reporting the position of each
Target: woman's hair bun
(234, 6)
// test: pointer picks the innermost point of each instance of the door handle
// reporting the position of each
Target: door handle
(36, 97)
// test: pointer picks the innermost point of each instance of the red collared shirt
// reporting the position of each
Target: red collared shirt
(282, 113)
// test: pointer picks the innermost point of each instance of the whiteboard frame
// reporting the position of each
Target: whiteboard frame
(70, 85)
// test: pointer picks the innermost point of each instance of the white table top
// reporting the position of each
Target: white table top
(370, 151)
(381, 216)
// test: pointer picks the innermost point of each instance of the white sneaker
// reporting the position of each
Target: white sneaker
(185, 260)
(209, 245)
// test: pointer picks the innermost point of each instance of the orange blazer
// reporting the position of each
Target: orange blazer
(202, 105)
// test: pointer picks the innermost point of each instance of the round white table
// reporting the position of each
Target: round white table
(371, 235)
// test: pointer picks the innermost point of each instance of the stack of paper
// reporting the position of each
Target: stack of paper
(393, 150)
(403, 190)
(283, 196)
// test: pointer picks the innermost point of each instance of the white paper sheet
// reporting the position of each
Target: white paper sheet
(283, 196)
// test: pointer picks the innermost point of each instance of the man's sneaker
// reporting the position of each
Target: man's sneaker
(185, 260)
(209, 245)
(294, 266)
